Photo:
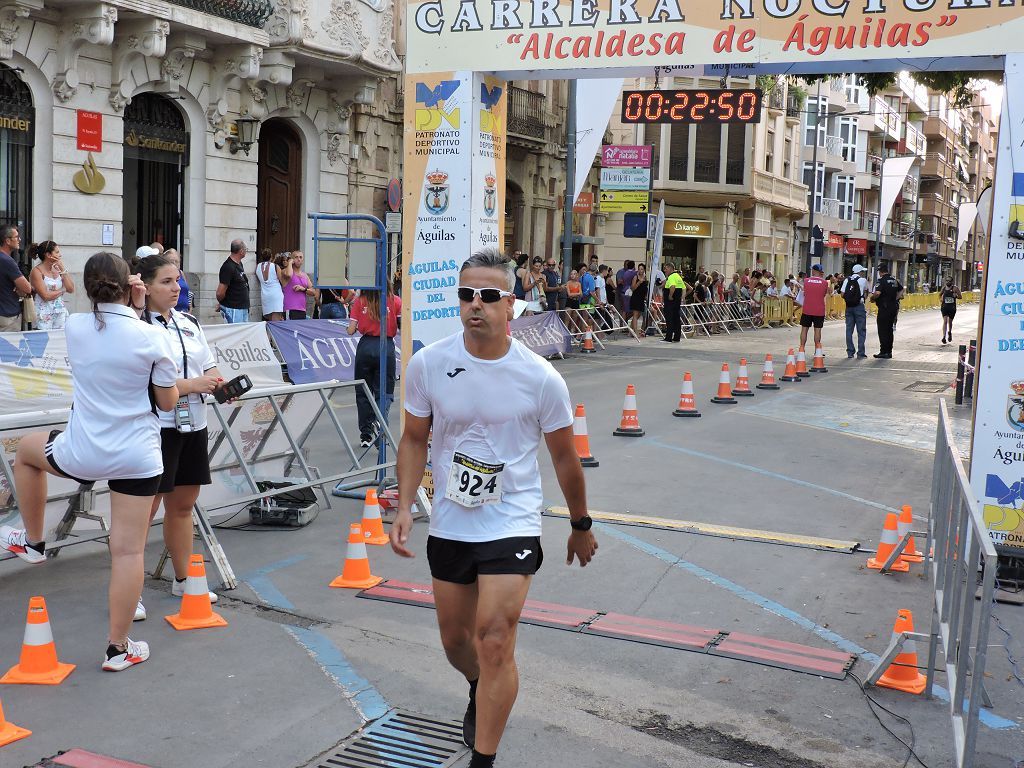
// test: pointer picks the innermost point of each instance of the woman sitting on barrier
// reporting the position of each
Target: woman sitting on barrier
(182, 430)
(120, 367)
(365, 318)
(638, 299)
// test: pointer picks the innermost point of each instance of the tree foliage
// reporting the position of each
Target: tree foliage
(959, 87)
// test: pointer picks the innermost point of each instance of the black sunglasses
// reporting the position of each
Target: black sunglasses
(487, 295)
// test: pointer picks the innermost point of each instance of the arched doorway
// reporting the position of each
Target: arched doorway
(514, 205)
(155, 157)
(17, 137)
(279, 199)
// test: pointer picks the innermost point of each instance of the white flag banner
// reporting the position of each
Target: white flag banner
(659, 244)
(985, 208)
(595, 100)
(894, 173)
(244, 348)
(965, 220)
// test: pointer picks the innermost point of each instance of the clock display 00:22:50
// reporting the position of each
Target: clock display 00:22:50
(692, 106)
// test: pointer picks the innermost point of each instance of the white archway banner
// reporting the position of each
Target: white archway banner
(595, 100)
(512, 36)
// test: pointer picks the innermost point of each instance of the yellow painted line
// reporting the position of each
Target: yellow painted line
(709, 529)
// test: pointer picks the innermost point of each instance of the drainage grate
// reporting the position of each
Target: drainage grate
(931, 387)
(403, 739)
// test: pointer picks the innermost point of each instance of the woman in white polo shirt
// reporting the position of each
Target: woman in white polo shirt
(122, 369)
(183, 438)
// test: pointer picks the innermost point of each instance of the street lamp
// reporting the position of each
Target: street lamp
(246, 132)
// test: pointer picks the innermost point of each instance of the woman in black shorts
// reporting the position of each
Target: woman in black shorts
(638, 300)
(122, 370)
(947, 307)
(183, 437)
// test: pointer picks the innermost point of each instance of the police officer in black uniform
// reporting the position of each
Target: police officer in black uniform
(887, 295)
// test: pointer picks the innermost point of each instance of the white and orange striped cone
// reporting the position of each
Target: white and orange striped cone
(819, 361)
(587, 347)
(904, 525)
(196, 611)
(582, 439)
(724, 396)
(742, 388)
(630, 424)
(687, 405)
(372, 525)
(903, 674)
(38, 664)
(790, 372)
(356, 572)
(887, 543)
(801, 364)
(9, 732)
(768, 375)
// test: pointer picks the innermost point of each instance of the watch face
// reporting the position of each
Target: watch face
(583, 524)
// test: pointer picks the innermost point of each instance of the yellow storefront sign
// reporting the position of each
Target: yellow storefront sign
(687, 228)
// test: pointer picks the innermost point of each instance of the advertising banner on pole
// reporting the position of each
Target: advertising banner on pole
(244, 348)
(997, 452)
(579, 35)
(319, 350)
(35, 374)
(544, 334)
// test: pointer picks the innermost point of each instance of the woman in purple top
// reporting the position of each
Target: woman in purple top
(298, 288)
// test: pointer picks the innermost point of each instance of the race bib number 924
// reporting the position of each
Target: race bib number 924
(473, 483)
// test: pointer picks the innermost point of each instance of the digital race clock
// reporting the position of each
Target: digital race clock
(700, 105)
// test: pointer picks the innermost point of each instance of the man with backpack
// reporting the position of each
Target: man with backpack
(854, 290)
(887, 295)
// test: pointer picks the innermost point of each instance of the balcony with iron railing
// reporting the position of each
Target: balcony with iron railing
(829, 207)
(777, 96)
(886, 118)
(865, 221)
(251, 13)
(526, 114)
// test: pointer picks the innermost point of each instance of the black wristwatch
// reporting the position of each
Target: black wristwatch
(583, 524)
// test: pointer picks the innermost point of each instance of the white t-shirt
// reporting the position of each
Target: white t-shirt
(494, 411)
(198, 355)
(113, 432)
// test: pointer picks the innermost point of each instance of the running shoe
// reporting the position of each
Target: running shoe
(469, 719)
(178, 589)
(365, 441)
(140, 612)
(135, 652)
(13, 540)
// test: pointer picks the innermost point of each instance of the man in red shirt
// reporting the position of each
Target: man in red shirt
(815, 290)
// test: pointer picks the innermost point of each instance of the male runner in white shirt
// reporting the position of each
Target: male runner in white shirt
(484, 543)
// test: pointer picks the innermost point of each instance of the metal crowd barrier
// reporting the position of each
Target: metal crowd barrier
(603, 319)
(81, 503)
(959, 548)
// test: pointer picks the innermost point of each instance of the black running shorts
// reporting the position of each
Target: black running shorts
(806, 321)
(460, 562)
(139, 486)
(186, 458)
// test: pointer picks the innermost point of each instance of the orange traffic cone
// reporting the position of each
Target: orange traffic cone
(582, 439)
(886, 545)
(9, 731)
(724, 396)
(790, 372)
(38, 663)
(588, 343)
(801, 364)
(687, 405)
(819, 361)
(373, 527)
(903, 674)
(768, 375)
(630, 424)
(903, 527)
(742, 388)
(196, 611)
(356, 573)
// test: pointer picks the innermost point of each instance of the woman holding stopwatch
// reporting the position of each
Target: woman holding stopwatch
(183, 438)
(122, 370)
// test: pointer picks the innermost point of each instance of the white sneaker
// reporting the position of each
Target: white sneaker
(178, 589)
(140, 612)
(135, 652)
(13, 540)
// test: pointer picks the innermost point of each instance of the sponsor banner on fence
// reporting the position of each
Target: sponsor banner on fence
(544, 334)
(319, 350)
(997, 453)
(244, 348)
(512, 37)
(35, 374)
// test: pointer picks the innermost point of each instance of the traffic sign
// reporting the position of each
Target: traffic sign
(395, 194)
(392, 222)
(620, 201)
(626, 178)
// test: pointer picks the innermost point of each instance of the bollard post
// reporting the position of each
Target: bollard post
(960, 374)
(969, 378)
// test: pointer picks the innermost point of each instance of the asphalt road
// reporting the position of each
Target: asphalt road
(301, 666)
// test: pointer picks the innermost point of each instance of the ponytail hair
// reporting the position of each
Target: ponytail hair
(41, 250)
(148, 267)
(106, 282)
